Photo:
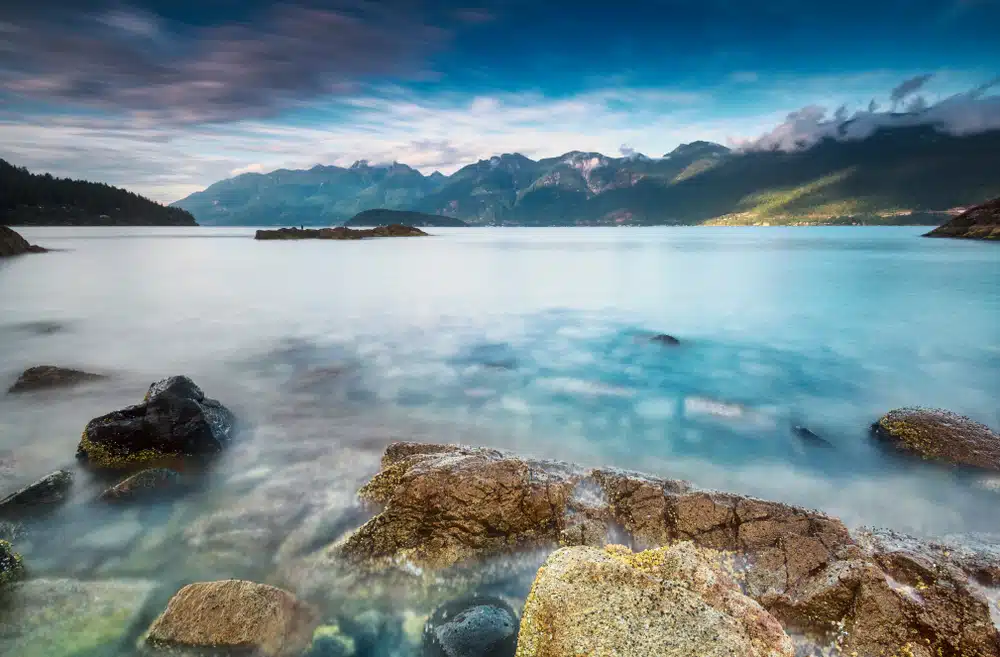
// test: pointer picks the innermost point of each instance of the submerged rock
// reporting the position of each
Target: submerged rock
(49, 490)
(143, 485)
(475, 626)
(70, 618)
(675, 601)
(940, 435)
(665, 339)
(810, 437)
(11, 566)
(12, 244)
(338, 233)
(329, 641)
(175, 420)
(978, 222)
(235, 615)
(44, 377)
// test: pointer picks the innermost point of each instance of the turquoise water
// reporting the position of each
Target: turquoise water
(530, 339)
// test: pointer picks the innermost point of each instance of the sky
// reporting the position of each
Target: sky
(165, 97)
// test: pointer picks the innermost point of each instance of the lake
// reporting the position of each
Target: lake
(536, 340)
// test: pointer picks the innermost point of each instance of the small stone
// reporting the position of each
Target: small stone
(49, 490)
(810, 437)
(263, 620)
(476, 626)
(665, 339)
(143, 485)
(44, 377)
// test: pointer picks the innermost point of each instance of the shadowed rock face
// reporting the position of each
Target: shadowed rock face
(48, 491)
(444, 505)
(43, 377)
(12, 244)
(669, 601)
(175, 420)
(981, 222)
(338, 233)
(940, 436)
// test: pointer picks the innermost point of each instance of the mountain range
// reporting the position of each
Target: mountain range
(899, 175)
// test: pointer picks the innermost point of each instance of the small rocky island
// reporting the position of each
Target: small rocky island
(12, 244)
(383, 217)
(338, 233)
(980, 222)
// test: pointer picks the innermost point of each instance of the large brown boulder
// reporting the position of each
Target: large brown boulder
(12, 244)
(978, 222)
(675, 602)
(447, 505)
(939, 435)
(235, 615)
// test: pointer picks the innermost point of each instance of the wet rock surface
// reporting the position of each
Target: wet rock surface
(175, 420)
(940, 435)
(12, 244)
(50, 490)
(146, 485)
(473, 626)
(235, 615)
(43, 377)
(446, 506)
(11, 564)
(338, 233)
(674, 601)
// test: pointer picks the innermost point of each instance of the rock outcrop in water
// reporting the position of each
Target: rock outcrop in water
(175, 420)
(235, 615)
(473, 626)
(338, 233)
(446, 505)
(676, 600)
(42, 377)
(11, 566)
(980, 222)
(12, 244)
(940, 435)
(50, 490)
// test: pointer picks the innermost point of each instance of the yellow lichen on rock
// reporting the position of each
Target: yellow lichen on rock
(671, 602)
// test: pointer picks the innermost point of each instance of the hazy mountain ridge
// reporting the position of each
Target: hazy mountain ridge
(31, 199)
(897, 175)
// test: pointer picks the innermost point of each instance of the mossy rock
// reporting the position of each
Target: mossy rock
(940, 435)
(11, 565)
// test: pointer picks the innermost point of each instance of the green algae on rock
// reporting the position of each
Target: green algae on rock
(11, 564)
(671, 602)
(175, 420)
(235, 615)
(70, 618)
(940, 435)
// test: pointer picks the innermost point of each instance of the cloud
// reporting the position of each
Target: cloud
(127, 60)
(626, 150)
(256, 167)
(968, 112)
(744, 76)
(907, 87)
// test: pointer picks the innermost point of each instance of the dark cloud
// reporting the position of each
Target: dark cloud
(965, 113)
(135, 60)
(907, 87)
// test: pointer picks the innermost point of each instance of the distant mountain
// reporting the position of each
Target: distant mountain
(321, 196)
(980, 222)
(382, 217)
(900, 175)
(28, 199)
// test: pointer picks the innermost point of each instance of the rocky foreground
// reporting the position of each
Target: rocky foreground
(12, 244)
(620, 563)
(338, 233)
(981, 222)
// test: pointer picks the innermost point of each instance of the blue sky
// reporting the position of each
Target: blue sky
(167, 97)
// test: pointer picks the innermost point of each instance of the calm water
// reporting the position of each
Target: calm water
(531, 339)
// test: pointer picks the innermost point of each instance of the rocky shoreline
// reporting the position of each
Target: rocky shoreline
(338, 233)
(12, 244)
(614, 562)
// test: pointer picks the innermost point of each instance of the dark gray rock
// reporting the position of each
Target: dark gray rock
(49, 490)
(44, 377)
(810, 437)
(475, 626)
(665, 339)
(175, 420)
(12, 244)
